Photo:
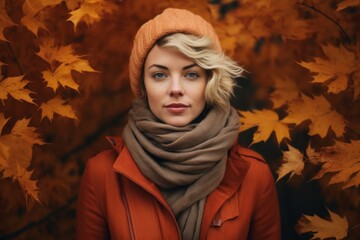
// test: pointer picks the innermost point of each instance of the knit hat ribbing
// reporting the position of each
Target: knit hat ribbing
(170, 21)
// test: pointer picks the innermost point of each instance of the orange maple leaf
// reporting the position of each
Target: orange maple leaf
(90, 11)
(28, 186)
(21, 140)
(5, 20)
(336, 227)
(62, 76)
(56, 105)
(15, 87)
(267, 121)
(319, 112)
(50, 52)
(335, 71)
(32, 13)
(343, 159)
(347, 3)
(292, 163)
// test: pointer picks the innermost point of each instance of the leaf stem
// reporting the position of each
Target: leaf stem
(358, 225)
(15, 58)
(329, 18)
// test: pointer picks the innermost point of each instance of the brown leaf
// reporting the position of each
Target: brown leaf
(343, 159)
(320, 112)
(267, 121)
(15, 87)
(57, 105)
(336, 227)
(335, 71)
(347, 3)
(292, 163)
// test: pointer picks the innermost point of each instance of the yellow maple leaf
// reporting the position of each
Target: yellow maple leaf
(342, 159)
(285, 91)
(319, 112)
(336, 227)
(334, 71)
(62, 76)
(347, 3)
(15, 87)
(81, 66)
(50, 52)
(5, 20)
(292, 163)
(267, 121)
(56, 105)
(28, 186)
(90, 11)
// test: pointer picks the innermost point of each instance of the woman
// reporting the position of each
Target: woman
(177, 172)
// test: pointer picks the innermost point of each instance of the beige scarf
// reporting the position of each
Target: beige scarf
(186, 163)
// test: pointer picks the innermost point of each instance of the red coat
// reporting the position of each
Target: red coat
(116, 201)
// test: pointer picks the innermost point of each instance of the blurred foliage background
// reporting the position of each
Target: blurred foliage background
(64, 87)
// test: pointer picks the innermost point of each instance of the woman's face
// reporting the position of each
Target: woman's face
(175, 86)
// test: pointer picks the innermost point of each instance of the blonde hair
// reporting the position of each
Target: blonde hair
(222, 70)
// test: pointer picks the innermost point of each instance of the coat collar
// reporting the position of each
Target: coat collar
(236, 169)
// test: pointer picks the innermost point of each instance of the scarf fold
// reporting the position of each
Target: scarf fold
(186, 163)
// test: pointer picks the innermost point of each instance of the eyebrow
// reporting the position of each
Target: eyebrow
(164, 67)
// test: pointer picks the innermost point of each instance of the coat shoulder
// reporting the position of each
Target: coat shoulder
(249, 155)
(102, 163)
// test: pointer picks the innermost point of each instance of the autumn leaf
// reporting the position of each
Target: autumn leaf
(5, 20)
(285, 91)
(318, 110)
(32, 13)
(56, 105)
(15, 87)
(334, 71)
(347, 3)
(16, 154)
(336, 227)
(356, 80)
(267, 121)
(342, 159)
(21, 140)
(28, 186)
(90, 11)
(62, 76)
(292, 163)
(51, 52)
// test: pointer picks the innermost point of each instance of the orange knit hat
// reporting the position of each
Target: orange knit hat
(170, 21)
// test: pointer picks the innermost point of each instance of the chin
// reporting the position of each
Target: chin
(177, 122)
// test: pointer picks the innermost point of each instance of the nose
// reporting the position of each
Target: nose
(175, 88)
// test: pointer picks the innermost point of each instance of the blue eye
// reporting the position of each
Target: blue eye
(192, 75)
(158, 75)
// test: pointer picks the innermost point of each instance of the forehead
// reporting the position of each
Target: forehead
(165, 56)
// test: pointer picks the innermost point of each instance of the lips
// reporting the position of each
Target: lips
(176, 107)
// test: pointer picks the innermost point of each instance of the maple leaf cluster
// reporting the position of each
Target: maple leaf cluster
(64, 86)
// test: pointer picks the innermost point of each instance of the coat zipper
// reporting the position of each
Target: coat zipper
(127, 212)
